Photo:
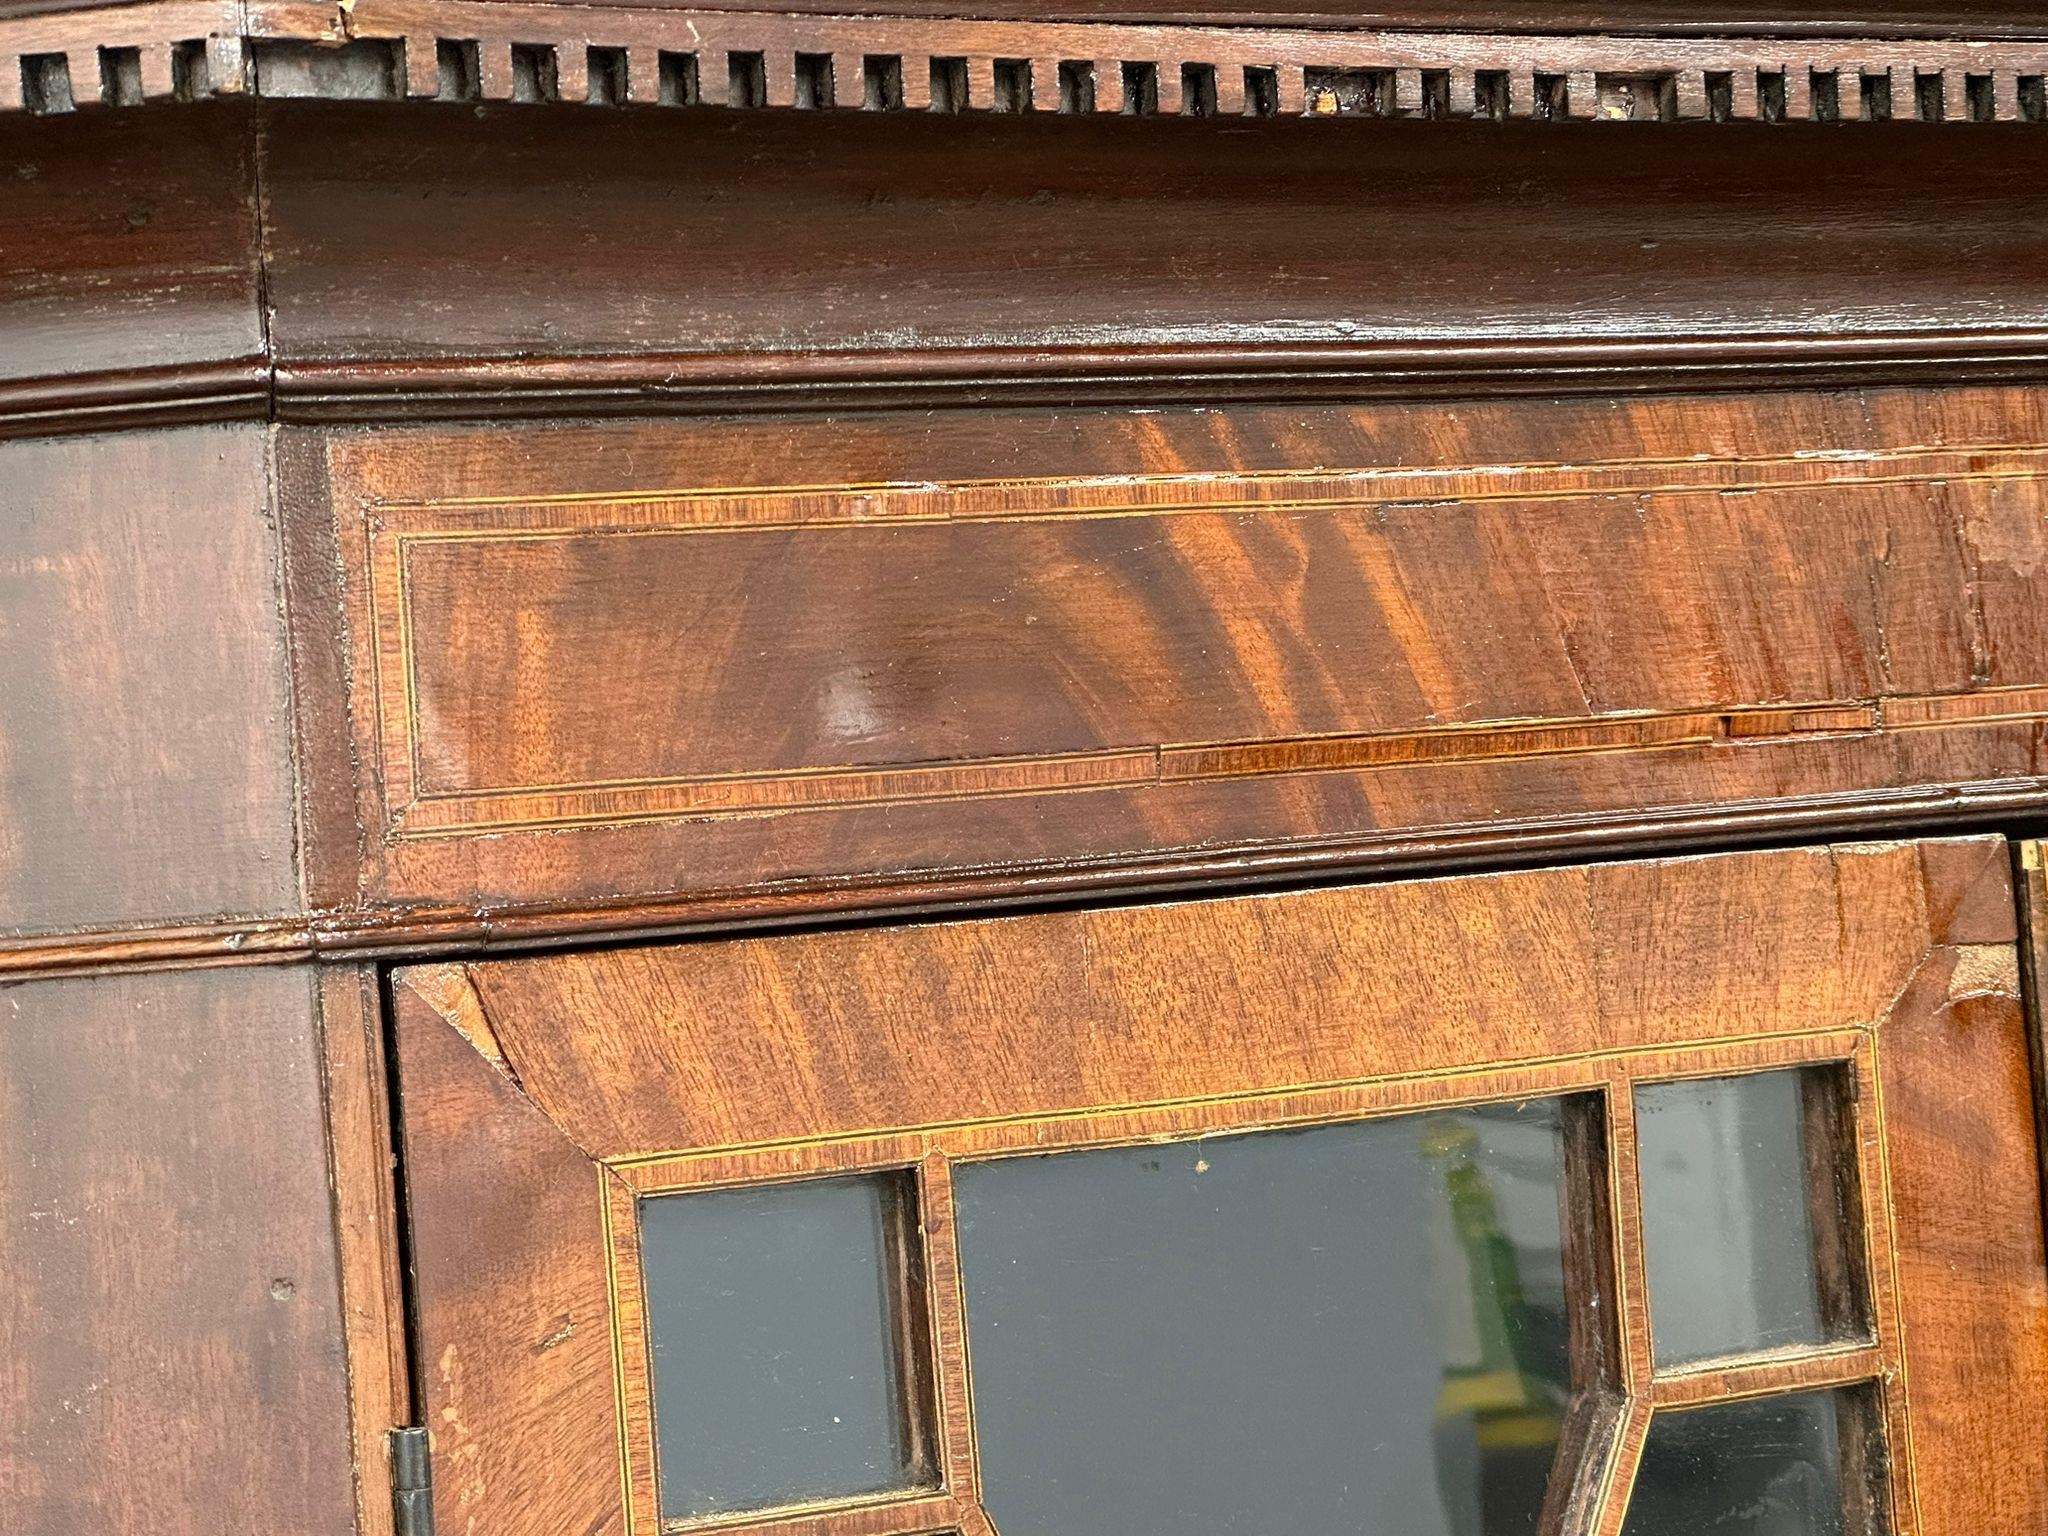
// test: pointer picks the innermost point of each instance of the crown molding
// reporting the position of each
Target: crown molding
(222, 261)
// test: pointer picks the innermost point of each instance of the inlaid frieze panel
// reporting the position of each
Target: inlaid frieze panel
(594, 637)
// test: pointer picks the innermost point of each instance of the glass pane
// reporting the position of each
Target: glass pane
(778, 1319)
(1747, 1188)
(1357, 1328)
(1803, 1465)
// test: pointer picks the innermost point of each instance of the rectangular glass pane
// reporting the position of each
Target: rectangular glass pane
(1806, 1464)
(1748, 1213)
(781, 1323)
(1359, 1328)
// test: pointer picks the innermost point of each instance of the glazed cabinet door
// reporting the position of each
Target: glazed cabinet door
(1642, 1199)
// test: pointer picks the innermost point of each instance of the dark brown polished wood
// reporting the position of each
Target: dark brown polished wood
(429, 530)
(174, 1334)
(1183, 259)
(129, 283)
(143, 686)
(401, 279)
(1267, 259)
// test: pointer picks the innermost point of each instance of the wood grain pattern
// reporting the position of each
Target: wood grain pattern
(175, 1359)
(508, 1248)
(129, 276)
(809, 650)
(330, 845)
(1061, 593)
(2030, 878)
(1157, 632)
(756, 1042)
(145, 763)
(1586, 1072)
(361, 1158)
(1806, 1369)
(953, 1394)
(1625, 1454)
(769, 1058)
(1636, 1365)
(1165, 260)
(421, 273)
(1965, 1199)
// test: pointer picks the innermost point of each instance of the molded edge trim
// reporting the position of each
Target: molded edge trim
(426, 933)
(313, 391)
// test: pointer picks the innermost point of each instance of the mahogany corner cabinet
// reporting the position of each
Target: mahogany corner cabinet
(1023, 768)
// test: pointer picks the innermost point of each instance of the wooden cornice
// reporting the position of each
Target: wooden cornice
(1253, 64)
(313, 261)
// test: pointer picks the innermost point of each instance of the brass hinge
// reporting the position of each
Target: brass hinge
(412, 1483)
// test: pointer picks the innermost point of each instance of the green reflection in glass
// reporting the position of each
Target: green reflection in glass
(1746, 1184)
(1357, 1327)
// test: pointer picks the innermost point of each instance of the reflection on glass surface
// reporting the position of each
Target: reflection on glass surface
(775, 1319)
(1356, 1328)
(1772, 1466)
(1729, 1212)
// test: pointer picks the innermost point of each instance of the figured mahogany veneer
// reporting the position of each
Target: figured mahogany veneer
(663, 659)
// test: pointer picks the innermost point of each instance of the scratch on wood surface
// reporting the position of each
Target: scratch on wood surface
(1984, 970)
(562, 1334)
